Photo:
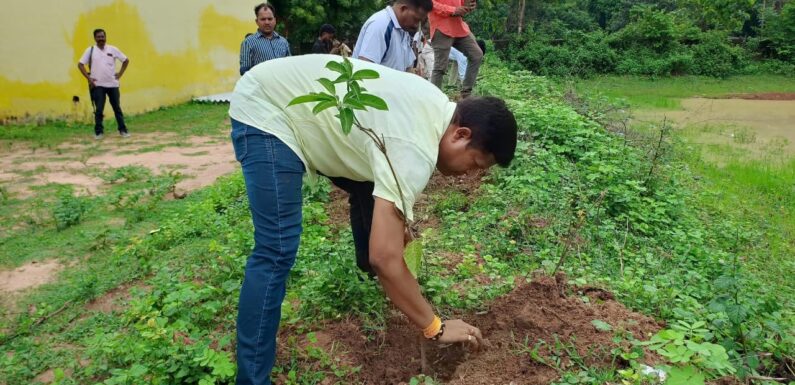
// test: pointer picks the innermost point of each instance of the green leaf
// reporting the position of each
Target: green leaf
(313, 97)
(356, 89)
(346, 120)
(602, 326)
(324, 106)
(365, 74)
(351, 101)
(413, 256)
(328, 84)
(347, 67)
(336, 67)
(686, 375)
(373, 101)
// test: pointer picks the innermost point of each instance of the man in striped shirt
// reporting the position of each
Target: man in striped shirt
(265, 44)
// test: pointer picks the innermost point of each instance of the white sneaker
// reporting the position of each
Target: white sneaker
(124, 134)
(98, 136)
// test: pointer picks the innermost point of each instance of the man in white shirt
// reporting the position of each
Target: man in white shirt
(276, 145)
(103, 80)
(385, 38)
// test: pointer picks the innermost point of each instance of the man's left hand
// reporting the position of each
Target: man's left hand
(118, 75)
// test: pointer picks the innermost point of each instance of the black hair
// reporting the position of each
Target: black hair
(264, 5)
(493, 126)
(98, 30)
(424, 4)
(327, 28)
(482, 45)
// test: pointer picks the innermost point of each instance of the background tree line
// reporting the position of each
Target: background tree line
(587, 37)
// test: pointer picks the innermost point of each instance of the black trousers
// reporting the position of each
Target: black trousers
(98, 97)
(360, 198)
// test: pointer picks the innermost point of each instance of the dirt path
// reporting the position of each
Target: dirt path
(200, 159)
(531, 317)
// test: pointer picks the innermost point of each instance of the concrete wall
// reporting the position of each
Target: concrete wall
(178, 49)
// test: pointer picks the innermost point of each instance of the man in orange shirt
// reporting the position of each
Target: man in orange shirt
(448, 29)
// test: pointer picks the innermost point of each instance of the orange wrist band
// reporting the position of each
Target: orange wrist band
(433, 329)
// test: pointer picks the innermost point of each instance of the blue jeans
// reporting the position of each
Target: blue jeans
(273, 175)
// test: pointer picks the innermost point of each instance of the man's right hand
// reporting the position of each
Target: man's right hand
(461, 11)
(459, 331)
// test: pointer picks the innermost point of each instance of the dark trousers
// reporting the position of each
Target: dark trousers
(441, 52)
(98, 97)
(360, 198)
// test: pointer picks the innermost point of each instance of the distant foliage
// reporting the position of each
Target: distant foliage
(715, 38)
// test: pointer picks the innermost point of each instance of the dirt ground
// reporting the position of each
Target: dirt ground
(542, 310)
(200, 159)
(762, 96)
(29, 275)
(757, 124)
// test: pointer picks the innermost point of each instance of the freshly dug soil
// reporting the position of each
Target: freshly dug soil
(540, 310)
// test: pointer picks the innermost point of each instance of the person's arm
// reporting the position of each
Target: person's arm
(123, 68)
(81, 65)
(85, 73)
(448, 10)
(371, 45)
(245, 57)
(386, 257)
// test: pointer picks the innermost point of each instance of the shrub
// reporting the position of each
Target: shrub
(578, 54)
(780, 32)
(714, 56)
(69, 209)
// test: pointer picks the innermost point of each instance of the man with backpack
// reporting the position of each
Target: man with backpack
(386, 37)
(103, 80)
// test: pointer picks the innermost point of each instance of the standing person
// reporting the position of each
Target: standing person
(325, 41)
(385, 38)
(276, 145)
(448, 29)
(103, 80)
(459, 65)
(265, 44)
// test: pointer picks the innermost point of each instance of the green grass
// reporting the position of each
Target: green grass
(185, 119)
(762, 195)
(665, 93)
(661, 241)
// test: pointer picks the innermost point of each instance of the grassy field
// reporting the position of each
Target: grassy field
(667, 93)
(186, 119)
(148, 293)
(750, 178)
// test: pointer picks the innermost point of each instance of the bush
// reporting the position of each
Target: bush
(579, 54)
(780, 32)
(714, 56)
(644, 62)
(69, 209)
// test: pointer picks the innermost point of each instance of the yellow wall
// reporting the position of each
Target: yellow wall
(178, 49)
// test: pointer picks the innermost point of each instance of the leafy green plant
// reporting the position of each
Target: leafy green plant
(356, 98)
(682, 347)
(69, 209)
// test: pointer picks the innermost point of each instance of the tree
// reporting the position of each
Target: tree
(302, 18)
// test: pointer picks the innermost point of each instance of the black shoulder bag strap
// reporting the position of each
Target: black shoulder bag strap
(90, 88)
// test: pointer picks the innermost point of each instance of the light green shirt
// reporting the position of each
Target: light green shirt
(412, 128)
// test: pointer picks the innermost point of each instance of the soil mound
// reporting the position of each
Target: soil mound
(545, 315)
